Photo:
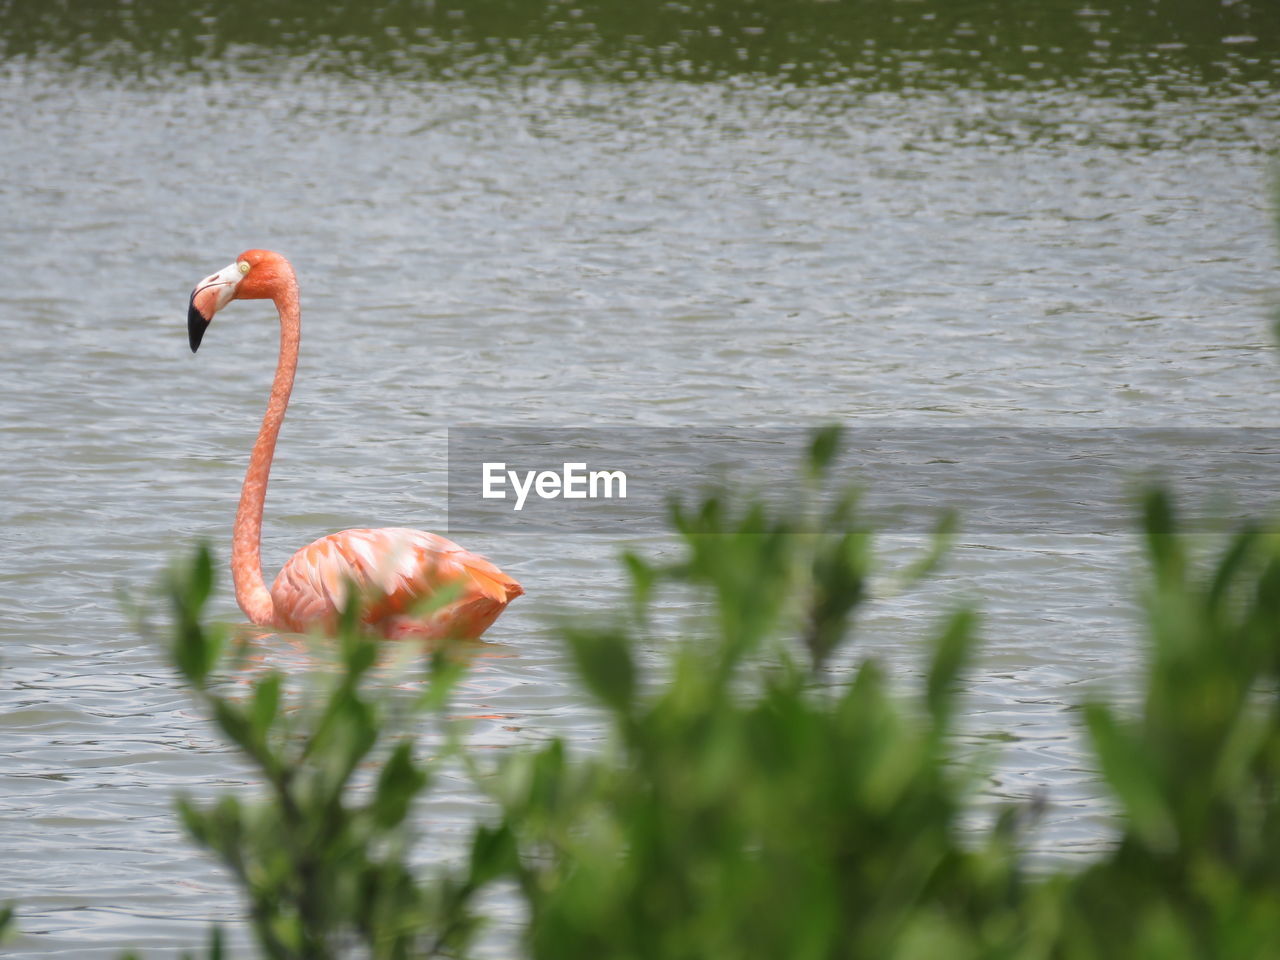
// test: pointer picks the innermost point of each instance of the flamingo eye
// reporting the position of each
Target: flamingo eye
(243, 267)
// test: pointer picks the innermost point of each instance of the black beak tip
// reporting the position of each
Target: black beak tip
(196, 325)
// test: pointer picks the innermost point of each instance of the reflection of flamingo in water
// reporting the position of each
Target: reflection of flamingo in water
(398, 568)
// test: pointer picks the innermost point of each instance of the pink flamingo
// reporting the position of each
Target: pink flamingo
(395, 568)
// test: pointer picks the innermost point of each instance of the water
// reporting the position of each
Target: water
(531, 218)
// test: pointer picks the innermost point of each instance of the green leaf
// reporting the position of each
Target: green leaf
(493, 853)
(1164, 546)
(604, 663)
(823, 447)
(266, 704)
(445, 672)
(1128, 769)
(202, 576)
(643, 576)
(939, 546)
(1230, 566)
(840, 569)
(194, 819)
(399, 782)
(234, 722)
(359, 653)
(196, 650)
(950, 655)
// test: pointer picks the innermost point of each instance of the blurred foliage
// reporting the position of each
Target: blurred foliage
(760, 796)
(1197, 871)
(882, 43)
(754, 811)
(6, 921)
(322, 858)
(747, 807)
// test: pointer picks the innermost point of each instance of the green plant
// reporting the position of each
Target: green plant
(322, 859)
(744, 809)
(1197, 871)
(757, 797)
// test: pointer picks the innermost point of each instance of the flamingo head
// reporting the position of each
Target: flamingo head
(255, 275)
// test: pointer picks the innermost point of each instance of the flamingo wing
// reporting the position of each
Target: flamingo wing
(397, 570)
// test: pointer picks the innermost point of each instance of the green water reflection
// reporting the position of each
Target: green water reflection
(886, 44)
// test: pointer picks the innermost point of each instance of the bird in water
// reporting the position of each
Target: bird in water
(396, 570)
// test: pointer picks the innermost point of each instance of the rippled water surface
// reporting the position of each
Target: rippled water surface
(682, 238)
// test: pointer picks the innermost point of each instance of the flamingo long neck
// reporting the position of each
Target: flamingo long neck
(246, 543)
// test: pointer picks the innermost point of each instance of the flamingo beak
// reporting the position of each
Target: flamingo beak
(210, 295)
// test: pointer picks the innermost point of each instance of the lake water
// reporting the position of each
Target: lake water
(764, 221)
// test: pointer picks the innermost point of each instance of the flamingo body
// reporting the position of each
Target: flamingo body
(399, 572)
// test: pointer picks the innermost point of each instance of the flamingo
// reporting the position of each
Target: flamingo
(396, 568)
